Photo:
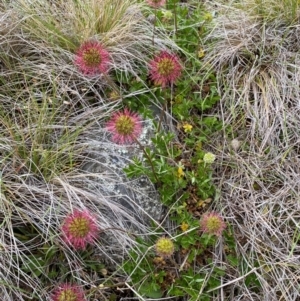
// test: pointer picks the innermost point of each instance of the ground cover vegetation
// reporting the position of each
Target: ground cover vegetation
(219, 83)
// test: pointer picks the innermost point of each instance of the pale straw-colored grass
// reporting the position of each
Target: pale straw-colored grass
(257, 67)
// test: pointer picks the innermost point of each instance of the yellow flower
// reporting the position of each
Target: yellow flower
(184, 226)
(201, 53)
(180, 172)
(187, 127)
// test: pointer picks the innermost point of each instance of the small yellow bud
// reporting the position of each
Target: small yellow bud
(184, 226)
(208, 17)
(187, 127)
(180, 172)
(201, 53)
(209, 158)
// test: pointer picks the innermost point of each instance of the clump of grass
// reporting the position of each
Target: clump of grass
(256, 65)
(119, 25)
(41, 38)
(256, 60)
(287, 11)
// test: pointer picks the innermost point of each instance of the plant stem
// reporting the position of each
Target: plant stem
(155, 16)
(149, 160)
(164, 106)
(175, 17)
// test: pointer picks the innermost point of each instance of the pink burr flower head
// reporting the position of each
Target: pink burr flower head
(156, 3)
(165, 68)
(212, 223)
(68, 292)
(80, 229)
(125, 126)
(91, 58)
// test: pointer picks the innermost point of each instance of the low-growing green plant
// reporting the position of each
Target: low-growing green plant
(190, 273)
(182, 171)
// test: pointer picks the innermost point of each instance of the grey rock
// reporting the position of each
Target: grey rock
(106, 161)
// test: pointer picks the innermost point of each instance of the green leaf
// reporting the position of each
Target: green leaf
(150, 290)
(233, 260)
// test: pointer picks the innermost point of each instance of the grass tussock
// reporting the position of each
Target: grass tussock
(119, 25)
(286, 11)
(257, 66)
(39, 40)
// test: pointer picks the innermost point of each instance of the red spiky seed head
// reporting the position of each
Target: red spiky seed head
(92, 58)
(156, 3)
(125, 126)
(68, 292)
(212, 223)
(165, 69)
(80, 229)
